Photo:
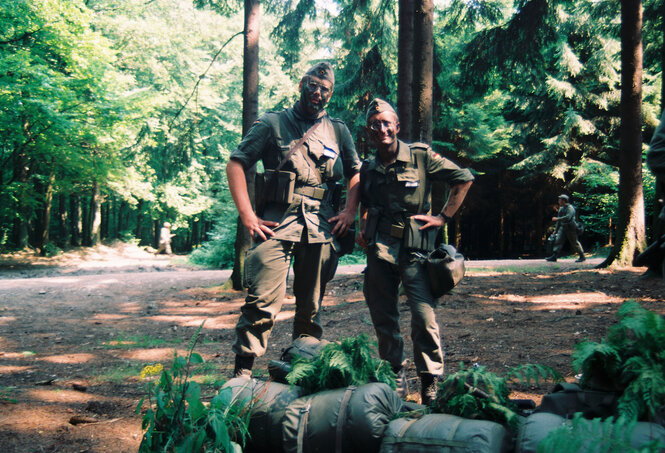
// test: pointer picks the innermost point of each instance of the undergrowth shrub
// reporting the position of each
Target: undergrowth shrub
(630, 360)
(350, 362)
(178, 420)
(479, 394)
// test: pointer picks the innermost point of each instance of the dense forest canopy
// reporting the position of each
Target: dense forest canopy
(118, 115)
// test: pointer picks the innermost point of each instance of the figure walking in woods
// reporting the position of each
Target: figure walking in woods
(165, 237)
(297, 214)
(395, 187)
(566, 228)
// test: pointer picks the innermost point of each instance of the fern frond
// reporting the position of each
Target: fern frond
(532, 373)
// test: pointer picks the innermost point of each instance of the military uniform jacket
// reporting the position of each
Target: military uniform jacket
(566, 216)
(330, 148)
(398, 191)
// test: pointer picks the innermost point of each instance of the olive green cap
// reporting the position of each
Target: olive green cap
(378, 106)
(322, 70)
(564, 198)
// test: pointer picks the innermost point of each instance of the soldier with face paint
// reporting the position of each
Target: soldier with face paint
(395, 186)
(303, 226)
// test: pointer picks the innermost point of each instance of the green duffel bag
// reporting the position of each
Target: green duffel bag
(534, 428)
(347, 420)
(269, 403)
(306, 347)
(567, 399)
(445, 433)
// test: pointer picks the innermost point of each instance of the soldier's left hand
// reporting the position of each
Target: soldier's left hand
(430, 220)
(342, 222)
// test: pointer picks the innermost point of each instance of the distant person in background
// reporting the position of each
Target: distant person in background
(566, 228)
(165, 239)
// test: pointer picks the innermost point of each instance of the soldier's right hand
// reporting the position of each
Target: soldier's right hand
(361, 241)
(259, 229)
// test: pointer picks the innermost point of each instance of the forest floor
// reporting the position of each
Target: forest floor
(77, 329)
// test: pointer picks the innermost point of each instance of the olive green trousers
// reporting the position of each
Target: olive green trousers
(266, 269)
(381, 291)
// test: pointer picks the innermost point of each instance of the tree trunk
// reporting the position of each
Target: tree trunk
(63, 230)
(75, 219)
(630, 235)
(46, 214)
(250, 111)
(95, 215)
(20, 228)
(423, 80)
(139, 220)
(405, 68)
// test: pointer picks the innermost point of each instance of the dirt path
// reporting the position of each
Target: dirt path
(75, 335)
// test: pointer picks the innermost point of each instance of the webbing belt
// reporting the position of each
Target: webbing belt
(317, 193)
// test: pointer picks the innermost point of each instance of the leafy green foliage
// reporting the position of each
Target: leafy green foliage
(580, 435)
(349, 362)
(477, 393)
(631, 360)
(177, 419)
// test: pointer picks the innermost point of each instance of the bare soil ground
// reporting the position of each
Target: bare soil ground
(76, 330)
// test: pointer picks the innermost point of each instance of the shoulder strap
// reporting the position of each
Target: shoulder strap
(419, 150)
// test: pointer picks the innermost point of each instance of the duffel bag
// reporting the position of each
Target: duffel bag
(343, 420)
(269, 403)
(534, 428)
(445, 433)
(567, 399)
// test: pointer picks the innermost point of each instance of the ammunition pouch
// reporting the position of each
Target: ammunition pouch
(417, 239)
(371, 224)
(274, 187)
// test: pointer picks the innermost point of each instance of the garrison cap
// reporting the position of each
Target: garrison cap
(378, 106)
(564, 198)
(322, 70)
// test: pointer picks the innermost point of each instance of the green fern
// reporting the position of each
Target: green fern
(580, 435)
(349, 362)
(476, 393)
(631, 360)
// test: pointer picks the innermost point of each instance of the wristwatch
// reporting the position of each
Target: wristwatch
(445, 217)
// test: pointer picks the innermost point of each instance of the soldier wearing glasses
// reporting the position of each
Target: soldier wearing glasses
(395, 188)
(299, 220)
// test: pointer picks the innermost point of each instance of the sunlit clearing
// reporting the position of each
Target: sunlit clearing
(562, 301)
(9, 369)
(152, 355)
(59, 395)
(7, 319)
(109, 316)
(69, 358)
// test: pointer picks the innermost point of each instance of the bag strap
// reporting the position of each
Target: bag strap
(340, 418)
(302, 426)
(421, 162)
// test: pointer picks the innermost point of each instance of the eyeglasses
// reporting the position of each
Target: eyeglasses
(378, 125)
(313, 86)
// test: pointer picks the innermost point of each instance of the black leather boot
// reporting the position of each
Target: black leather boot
(428, 388)
(243, 366)
(551, 258)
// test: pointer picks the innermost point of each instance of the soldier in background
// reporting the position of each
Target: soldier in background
(299, 219)
(165, 236)
(566, 228)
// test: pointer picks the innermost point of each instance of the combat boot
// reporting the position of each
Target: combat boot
(581, 259)
(243, 366)
(402, 384)
(551, 258)
(428, 388)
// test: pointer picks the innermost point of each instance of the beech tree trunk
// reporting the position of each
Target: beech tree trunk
(423, 81)
(250, 111)
(405, 68)
(630, 236)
